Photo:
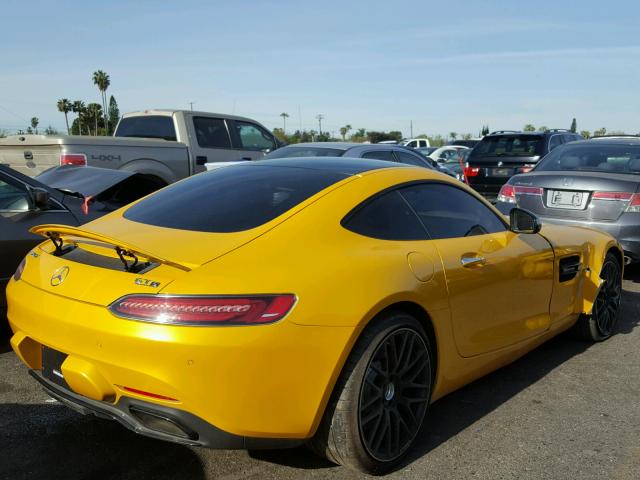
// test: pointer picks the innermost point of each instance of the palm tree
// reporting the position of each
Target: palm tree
(344, 130)
(94, 112)
(529, 128)
(78, 107)
(64, 106)
(101, 79)
(453, 135)
(34, 124)
(284, 116)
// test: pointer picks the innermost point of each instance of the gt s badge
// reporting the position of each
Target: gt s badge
(147, 283)
(59, 276)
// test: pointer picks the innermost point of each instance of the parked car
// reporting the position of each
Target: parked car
(426, 151)
(164, 145)
(342, 340)
(505, 153)
(595, 184)
(469, 143)
(447, 154)
(388, 152)
(416, 143)
(68, 195)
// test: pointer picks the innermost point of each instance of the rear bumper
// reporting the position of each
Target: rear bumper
(269, 381)
(127, 410)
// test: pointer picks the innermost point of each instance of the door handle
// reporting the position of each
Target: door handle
(472, 261)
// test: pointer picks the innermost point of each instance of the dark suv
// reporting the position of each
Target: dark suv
(505, 153)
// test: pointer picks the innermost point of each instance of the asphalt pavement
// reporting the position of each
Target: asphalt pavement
(568, 410)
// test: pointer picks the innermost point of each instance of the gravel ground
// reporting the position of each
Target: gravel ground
(567, 410)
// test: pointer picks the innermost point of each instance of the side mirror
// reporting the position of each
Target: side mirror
(40, 198)
(523, 221)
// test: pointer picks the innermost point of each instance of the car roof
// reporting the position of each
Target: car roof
(349, 145)
(345, 165)
(607, 141)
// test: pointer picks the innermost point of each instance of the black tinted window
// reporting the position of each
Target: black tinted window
(387, 217)
(555, 141)
(211, 132)
(449, 212)
(13, 196)
(289, 152)
(231, 199)
(147, 126)
(409, 159)
(380, 155)
(509, 145)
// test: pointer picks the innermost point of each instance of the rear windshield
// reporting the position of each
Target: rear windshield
(593, 157)
(509, 146)
(290, 152)
(147, 126)
(231, 199)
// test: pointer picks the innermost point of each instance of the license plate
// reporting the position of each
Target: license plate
(501, 172)
(566, 199)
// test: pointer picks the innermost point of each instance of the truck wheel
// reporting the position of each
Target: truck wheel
(381, 397)
(600, 324)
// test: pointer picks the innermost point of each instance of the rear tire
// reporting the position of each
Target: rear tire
(380, 400)
(600, 324)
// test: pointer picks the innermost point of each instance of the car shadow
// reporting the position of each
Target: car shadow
(51, 441)
(632, 273)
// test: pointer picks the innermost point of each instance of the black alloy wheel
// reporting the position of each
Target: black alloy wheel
(395, 394)
(607, 304)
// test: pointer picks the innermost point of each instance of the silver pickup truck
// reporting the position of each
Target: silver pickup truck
(164, 145)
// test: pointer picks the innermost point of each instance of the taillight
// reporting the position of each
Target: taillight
(471, 171)
(634, 204)
(73, 159)
(520, 190)
(18, 273)
(202, 310)
(632, 198)
(507, 194)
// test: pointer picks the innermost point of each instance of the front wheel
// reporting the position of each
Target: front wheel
(600, 324)
(381, 398)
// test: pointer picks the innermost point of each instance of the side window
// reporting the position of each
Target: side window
(412, 144)
(387, 217)
(380, 155)
(13, 196)
(409, 159)
(211, 132)
(252, 137)
(450, 212)
(555, 141)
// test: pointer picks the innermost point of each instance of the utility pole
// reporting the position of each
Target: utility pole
(320, 117)
(191, 105)
(411, 127)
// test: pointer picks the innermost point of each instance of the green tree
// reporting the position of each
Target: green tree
(284, 116)
(600, 132)
(453, 135)
(544, 128)
(466, 136)
(574, 125)
(34, 124)
(52, 131)
(93, 115)
(529, 128)
(78, 108)
(101, 80)
(344, 130)
(3, 133)
(64, 106)
(585, 133)
(485, 130)
(437, 141)
(114, 115)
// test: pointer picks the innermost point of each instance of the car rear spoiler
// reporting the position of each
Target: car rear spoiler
(56, 233)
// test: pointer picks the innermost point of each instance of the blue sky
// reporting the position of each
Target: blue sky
(446, 66)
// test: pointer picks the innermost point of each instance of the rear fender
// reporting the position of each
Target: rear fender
(593, 282)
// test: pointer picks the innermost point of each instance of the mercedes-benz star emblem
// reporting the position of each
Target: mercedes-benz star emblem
(59, 275)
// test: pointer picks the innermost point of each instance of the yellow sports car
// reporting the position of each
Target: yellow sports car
(318, 300)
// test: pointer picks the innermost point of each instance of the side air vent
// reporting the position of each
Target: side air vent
(569, 267)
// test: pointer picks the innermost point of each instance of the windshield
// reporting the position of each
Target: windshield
(593, 157)
(289, 152)
(509, 146)
(147, 126)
